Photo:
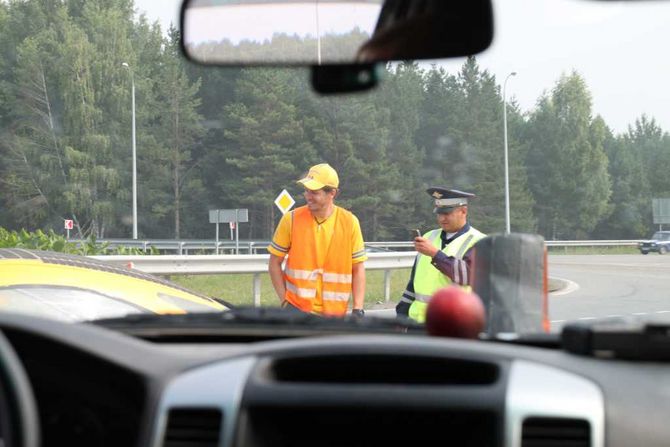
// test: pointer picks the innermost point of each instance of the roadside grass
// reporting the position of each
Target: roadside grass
(237, 289)
(593, 250)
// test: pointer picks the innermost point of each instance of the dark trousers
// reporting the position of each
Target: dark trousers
(290, 307)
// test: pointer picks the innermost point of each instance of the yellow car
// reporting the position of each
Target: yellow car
(75, 288)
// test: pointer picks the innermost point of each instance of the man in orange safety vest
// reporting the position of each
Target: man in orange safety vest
(325, 249)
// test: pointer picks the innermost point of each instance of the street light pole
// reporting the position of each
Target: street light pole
(132, 81)
(507, 218)
(318, 35)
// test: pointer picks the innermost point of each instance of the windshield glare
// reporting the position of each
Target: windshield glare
(114, 144)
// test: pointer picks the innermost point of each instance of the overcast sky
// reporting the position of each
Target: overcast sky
(619, 48)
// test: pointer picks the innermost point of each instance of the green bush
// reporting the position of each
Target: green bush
(50, 241)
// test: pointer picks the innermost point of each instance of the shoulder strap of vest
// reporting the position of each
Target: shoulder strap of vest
(433, 234)
(293, 218)
(464, 246)
(468, 242)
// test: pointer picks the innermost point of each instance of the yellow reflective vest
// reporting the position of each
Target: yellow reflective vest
(428, 279)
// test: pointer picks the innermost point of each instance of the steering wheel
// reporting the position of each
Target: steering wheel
(19, 423)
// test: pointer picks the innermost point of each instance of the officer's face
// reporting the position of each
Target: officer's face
(319, 200)
(454, 220)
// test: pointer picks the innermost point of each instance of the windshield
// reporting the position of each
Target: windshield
(113, 144)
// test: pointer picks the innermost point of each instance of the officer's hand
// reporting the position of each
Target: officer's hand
(425, 247)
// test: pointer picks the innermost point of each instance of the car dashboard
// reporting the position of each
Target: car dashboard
(97, 387)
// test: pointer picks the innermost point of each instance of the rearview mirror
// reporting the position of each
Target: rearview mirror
(327, 32)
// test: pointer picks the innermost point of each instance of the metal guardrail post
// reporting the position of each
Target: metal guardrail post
(181, 248)
(257, 289)
(252, 249)
(144, 246)
(387, 285)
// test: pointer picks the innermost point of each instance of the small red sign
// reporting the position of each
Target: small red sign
(69, 224)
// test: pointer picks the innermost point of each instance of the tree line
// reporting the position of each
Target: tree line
(212, 138)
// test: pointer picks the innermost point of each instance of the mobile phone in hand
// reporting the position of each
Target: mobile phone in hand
(415, 233)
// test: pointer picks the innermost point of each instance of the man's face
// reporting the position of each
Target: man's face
(318, 200)
(454, 220)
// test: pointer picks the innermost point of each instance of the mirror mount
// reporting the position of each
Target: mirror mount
(329, 79)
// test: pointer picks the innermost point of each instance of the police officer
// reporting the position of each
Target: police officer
(445, 255)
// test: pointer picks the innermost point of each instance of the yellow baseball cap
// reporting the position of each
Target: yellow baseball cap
(320, 176)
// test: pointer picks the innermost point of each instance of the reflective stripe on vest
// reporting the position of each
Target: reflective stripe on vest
(415, 296)
(336, 296)
(302, 293)
(310, 275)
(303, 275)
(428, 279)
(313, 275)
(342, 278)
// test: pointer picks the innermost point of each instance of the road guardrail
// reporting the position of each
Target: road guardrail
(186, 246)
(593, 243)
(236, 264)
(257, 264)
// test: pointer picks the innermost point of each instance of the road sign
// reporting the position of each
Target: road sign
(661, 211)
(284, 201)
(68, 224)
(231, 217)
(227, 216)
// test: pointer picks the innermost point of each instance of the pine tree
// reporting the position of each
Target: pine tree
(178, 133)
(631, 200)
(473, 158)
(265, 145)
(567, 164)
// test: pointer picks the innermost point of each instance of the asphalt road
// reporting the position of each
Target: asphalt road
(606, 287)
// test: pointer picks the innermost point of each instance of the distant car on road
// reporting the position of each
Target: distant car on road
(659, 242)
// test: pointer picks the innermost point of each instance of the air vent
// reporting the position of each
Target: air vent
(555, 432)
(193, 427)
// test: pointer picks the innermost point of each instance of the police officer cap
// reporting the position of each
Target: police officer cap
(446, 200)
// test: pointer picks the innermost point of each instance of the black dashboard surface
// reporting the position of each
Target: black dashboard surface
(94, 386)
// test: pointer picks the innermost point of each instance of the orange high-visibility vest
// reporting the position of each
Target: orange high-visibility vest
(302, 270)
